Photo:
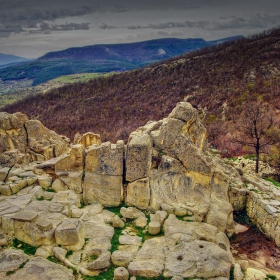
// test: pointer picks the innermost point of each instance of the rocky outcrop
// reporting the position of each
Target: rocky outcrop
(182, 174)
(29, 137)
(164, 170)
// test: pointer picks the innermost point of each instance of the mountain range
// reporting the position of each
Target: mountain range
(9, 60)
(103, 58)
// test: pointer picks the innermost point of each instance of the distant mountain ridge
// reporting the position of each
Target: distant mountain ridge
(103, 58)
(9, 58)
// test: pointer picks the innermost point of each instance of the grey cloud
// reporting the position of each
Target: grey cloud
(168, 25)
(106, 26)
(17, 21)
(257, 21)
(46, 28)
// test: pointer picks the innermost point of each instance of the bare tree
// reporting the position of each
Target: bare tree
(254, 125)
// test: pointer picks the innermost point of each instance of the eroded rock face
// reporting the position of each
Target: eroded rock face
(183, 176)
(30, 137)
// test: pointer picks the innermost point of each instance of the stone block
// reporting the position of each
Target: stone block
(103, 189)
(138, 193)
(70, 234)
(105, 159)
(138, 157)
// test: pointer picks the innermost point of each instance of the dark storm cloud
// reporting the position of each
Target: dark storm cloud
(166, 25)
(107, 26)
(46, 28)
(16, 20)
(257, 21)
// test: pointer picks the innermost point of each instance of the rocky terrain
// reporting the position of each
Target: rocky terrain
(159, 207)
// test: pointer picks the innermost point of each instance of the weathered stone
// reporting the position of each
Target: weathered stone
(138, 157)
(11, 259)
(154, 228)
(185, 112)
(121, 273)
(130, 240)
(87, 139)
(67, 197)
(58, 185)
(253, 274)
(39, 268)
(238, 274)
(4, 173)
(44, 141)
(117, 222)
(25, 216)
(102, 261)
(103, 189)
(138, 193)
(106, 159)
(141, 222)
(122, 257)
(5, 190)
(70, 234)
(150, 260)
(131, 213)
(45, 181)
(73, 161)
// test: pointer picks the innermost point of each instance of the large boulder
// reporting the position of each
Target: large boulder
(30, 137)
(168, 168)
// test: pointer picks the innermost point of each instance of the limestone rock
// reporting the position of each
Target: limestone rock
(105, 159)
(131, 213)
(141, 222)
(154, 228)
(103, 189)
(44, 141)
(58, 185)
(38, 268)
(121, 273)
(138, 193)
(3, 173)
(117, 222)
(185, 112)
(122, 257)
(70, 234)
(150, 260)
(238, 275)
(130, 240)
(73, 161)
(12, 132)
(87, 139)
(138, 156)
(253, 274)
(67, 197)
(11, 259)
(102, 261)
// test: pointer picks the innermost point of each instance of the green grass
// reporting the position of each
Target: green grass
(115, 239)
(28, 249)
(270, 276)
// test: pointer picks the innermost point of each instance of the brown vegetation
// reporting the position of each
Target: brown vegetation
(217, 80)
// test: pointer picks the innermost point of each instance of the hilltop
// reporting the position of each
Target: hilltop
(8, 59)
(102, 58)
(218, 80)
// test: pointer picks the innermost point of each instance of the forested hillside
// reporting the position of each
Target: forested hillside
(220, 81)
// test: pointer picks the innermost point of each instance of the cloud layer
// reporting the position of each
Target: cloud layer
(39, 26)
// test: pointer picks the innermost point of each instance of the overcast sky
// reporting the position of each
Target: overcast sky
(31, 28)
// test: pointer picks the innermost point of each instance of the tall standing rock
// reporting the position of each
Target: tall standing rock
(70, 168)
(183, 175)
(104, 174)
